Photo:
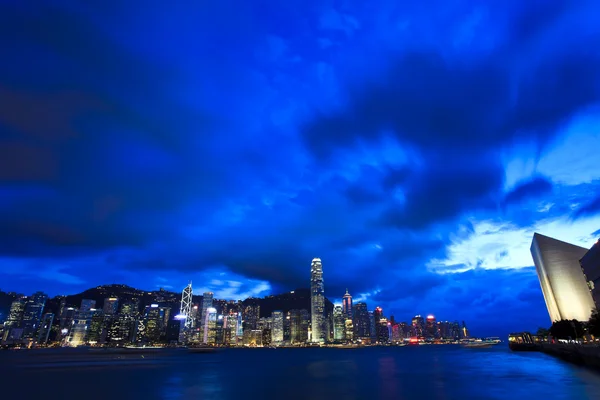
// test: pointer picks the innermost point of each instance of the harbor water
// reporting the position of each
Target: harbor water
(444, 372)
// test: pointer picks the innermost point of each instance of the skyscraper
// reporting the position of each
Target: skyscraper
(210, 326)
(362, 326)
(381, 328)
(277, 327)
(317, 301)
(563, 283)
(111, 306)
(207, 302)
(431, 331)
(186, 306)
(87, 305)
(15, 318)
(338, 323)
(299, 321)
(45, 328)
(32, 315)
(418, 325)
(347, 305)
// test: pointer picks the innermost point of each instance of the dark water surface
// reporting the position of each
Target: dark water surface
(420, 372)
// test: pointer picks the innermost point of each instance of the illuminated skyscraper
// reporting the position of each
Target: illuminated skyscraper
(277, 327)
(362, 326)
(32, 315)
(338, 323)
(210, 326)
(15, 318)
(317, 301)
(155, 322)
(251, 315)
(111, 306)
(348, 330)
(299, 321)
(418, 326)
(87, 305)
(563, 283)
(186, 306)
(45, 328)
(207, 302)
(431, 331)
(239, 331)
(347, 305)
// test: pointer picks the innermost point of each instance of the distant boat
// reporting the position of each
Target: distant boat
(479, 345)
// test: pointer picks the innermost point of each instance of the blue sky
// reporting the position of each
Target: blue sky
(414, 148)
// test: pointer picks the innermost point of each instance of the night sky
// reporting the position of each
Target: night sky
(414, 148)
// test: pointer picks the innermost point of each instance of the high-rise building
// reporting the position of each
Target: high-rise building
(287, 328)
(15, 319)
(87, 305)
(362, 326)
(445, 329)
(317, 301)
(396, 335)
(299, 322)
(186, 306)
(230, 328)
(563, 283)
(338, 323)
(348, 330)
(347, 305)
(431, 331)
(239, 326)
(210, 326)
(155, 322)
(590, 263)
(111, 306)
(251, 315)
(418, 326)
(97, 332)
(277, 328)
(381, 328)
(372, 326)
(45, 328)
(32, 315)
(207, 302)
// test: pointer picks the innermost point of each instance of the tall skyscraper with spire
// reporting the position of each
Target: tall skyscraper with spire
(317, 301)
(186, 305)
(347, 305)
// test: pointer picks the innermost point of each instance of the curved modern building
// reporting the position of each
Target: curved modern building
(563, 283)
(317, 301)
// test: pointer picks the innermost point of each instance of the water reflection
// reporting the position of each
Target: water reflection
(387, 378)
(417, 373)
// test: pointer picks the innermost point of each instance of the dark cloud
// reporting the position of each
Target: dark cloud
(137, 147)
(536, 187)
(590, 208)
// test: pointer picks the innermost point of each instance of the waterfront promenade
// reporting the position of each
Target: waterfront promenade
(581, 354)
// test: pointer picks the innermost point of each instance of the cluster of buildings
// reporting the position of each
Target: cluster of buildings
(114, 323)
(347, 323)
(569, 276)
(209, 321)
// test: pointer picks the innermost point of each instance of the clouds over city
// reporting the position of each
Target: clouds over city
(414, 149)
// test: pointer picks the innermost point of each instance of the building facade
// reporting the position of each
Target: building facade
(590, 263)
(277, 328)
(563, 282)
(347, 305)
(317, 301)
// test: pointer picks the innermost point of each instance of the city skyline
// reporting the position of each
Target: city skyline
(415, 149)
